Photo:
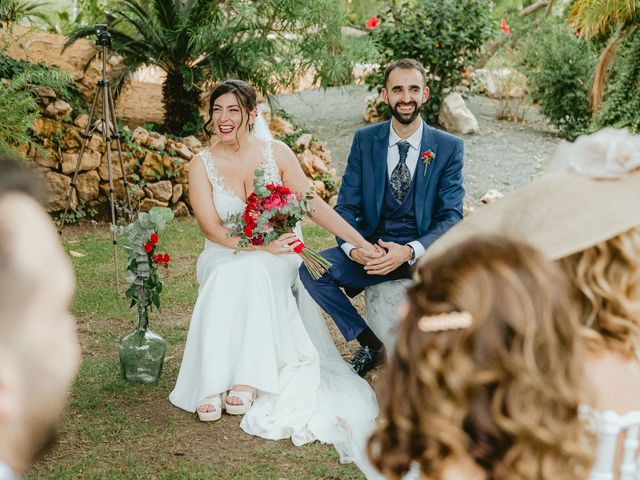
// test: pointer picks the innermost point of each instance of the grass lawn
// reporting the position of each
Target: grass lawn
(116, 430)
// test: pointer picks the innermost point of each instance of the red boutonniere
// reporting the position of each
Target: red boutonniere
(427, 157)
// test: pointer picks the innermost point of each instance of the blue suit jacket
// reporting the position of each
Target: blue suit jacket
(439, 193)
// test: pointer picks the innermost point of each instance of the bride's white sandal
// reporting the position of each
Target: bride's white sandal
(245, 397)
(215, 401)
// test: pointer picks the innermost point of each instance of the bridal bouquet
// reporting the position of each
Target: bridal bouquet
(273, 210)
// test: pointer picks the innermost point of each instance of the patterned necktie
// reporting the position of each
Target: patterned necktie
(401, 176)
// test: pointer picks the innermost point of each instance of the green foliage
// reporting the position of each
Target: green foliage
(268, 43)
(82, 211)
(15, 10)
(559, 67)
(358, 11)
(621, 105)
(142, 266)
(444, 35)
(18, 107)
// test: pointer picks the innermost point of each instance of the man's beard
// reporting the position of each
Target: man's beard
(405, 118)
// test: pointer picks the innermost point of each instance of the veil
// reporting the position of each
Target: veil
(260, 127)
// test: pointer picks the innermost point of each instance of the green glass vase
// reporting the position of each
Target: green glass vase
(141, 352)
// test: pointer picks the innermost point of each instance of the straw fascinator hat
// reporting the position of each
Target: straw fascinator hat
(591, 194)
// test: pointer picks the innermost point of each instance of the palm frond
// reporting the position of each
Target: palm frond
(595, 18)
(602, 70)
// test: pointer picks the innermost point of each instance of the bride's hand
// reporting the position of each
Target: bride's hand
(285, 243)
(370, 251)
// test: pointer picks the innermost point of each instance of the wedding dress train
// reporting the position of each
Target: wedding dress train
(255, 324)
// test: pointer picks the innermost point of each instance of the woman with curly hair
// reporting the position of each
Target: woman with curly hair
(585, 215)
(485, 378)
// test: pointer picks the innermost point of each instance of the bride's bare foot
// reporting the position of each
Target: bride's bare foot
(239, 399)
(234, 400)
(210, 408)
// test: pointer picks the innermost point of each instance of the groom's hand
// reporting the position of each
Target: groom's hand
(396, 255)
(362, 256)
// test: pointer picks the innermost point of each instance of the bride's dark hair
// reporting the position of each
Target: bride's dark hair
(245, 94)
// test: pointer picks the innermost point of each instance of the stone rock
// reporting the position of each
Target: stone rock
(81, 121)
(455, 116)
(373, 107)
(58, 109)
(177, 193)
(90, 161)
(192, 143)
(97, 144)
(148, 203)
(45, 92)
(156, 141)
(87, 185)
(182, 150)
(147, 193)
(303, 141)
(383, 309)
(58, 187)
(119, 192)
(49, 160)
(501, 83)
(311, 164)
(162, 190)
(181, 210)
(182, 173)
(185, 195)
(46, 127)
(103, 168)
(140, 136)
(71, 139)
(491, 196)
(319, 188)
(468, 206)
(151, 165)
(280, 127)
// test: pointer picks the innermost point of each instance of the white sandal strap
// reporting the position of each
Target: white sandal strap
(211, 400)
(242, 395)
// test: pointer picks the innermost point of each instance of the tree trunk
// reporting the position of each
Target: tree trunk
(181, 105)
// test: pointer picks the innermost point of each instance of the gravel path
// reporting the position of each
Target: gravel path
(503, 155)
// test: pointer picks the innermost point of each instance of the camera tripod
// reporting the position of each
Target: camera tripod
(107, 125)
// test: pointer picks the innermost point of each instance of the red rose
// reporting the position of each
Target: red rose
(372, 22)
(154, 238)
(257, 241)
(148, 247)
(275, 200)
(166, 258)
(248, 230)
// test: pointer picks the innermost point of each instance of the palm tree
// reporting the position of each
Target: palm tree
(612, 19)
(196, 41)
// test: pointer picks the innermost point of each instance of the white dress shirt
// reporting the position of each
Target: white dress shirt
(393, 158)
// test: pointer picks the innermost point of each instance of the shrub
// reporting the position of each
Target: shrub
(560, 68)
(621, 104)
(444, 35)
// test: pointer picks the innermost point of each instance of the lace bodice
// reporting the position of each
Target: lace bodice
(225, 200)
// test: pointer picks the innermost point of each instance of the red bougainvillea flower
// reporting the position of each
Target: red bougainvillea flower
(372, 22)
(154, 238)
(148, 247)
(504, 27)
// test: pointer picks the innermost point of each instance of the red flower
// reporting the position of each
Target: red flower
(248, 230)
(166, 258)
(504, 27)
(148, 247)
(154, 238)
(372, 22)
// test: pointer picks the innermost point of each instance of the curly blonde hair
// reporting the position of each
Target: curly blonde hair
(504, 391)
(606, 285)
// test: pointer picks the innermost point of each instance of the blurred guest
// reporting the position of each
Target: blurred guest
(485, 379)
(39, 352)
(585, 214)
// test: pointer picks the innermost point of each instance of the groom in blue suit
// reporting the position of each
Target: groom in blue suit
(402, 189)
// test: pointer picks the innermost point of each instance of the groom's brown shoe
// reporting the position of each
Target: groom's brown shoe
(366, 359)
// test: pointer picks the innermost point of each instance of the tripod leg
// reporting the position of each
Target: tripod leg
(116, 135)
(107, 137)
(85, 137)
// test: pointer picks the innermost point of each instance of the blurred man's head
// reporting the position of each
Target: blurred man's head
(39, 352)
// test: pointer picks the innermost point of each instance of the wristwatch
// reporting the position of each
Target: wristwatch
(413, 253)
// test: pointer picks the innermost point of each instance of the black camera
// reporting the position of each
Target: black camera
(103, 35)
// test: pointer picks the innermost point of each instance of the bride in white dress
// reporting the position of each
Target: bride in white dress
(257, 344)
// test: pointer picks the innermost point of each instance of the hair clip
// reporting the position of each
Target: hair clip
(445, 321)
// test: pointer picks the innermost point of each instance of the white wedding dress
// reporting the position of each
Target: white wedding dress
(255, 324)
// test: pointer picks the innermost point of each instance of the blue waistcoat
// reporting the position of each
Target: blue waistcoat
(397, 220)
